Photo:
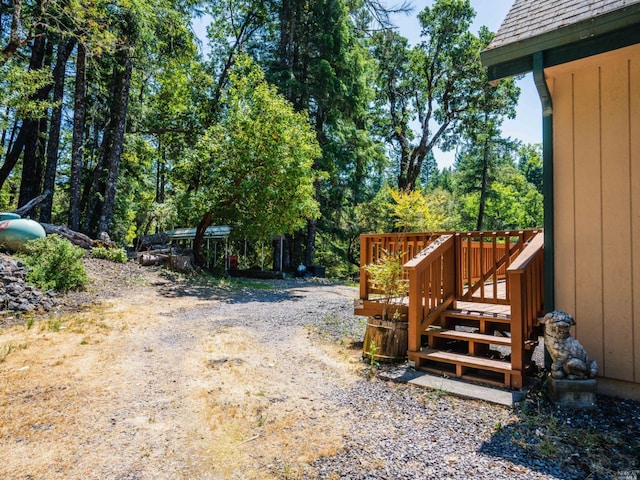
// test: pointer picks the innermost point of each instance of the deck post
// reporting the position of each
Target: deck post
(518, 302)
(364, 260)
(415, 312)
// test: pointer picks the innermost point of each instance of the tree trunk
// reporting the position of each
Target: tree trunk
(33, 162)
(198, 241)
(483, 187)
(13, 155)
(31, 204)
(31, 180)
(115, 151)
(53, 142)
(312, 225)
(77, 147)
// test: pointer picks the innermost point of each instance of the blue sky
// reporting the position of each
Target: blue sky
(527, 126)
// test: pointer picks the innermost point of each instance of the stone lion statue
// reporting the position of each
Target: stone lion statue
(570, 360)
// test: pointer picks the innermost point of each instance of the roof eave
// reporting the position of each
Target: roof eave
(517, 57)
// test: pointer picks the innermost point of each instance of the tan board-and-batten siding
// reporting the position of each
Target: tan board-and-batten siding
(596, 117)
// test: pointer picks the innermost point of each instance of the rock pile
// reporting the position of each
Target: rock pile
(16, 295)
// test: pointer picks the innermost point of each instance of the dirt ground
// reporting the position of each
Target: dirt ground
(151, 375)
(158, 381)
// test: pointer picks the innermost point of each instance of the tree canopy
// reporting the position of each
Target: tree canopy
(253, 168)
(313, 118)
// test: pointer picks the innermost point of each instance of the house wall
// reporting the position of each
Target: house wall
(596, 118)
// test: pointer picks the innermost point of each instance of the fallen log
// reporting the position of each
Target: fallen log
(148, 241)
(157, 251)
(74, 237)
(31, 204)
(147, 259)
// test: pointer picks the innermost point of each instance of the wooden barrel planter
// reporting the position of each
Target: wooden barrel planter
(388, 337)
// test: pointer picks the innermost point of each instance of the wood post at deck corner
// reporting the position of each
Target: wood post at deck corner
(415, 312)
(517, 328)
(364, 249)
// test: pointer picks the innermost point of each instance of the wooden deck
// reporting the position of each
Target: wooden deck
(473, 304)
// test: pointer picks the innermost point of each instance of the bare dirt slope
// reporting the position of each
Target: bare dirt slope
(168, 380)
(167, 377)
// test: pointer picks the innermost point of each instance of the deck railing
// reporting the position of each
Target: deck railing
(481, 262)
(372, 247)
(484, 258)
(431, 285)
(526, 277)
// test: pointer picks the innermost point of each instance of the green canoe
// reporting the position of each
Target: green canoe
(16, 231)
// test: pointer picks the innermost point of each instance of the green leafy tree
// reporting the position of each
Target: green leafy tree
(322, 68)
(530, 164)
(511, 202)
(254, 167)
(414, 212)
(480, 127)
(432, 85)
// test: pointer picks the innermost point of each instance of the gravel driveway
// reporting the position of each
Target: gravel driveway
(179, 379)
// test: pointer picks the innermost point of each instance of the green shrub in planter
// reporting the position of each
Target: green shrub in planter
(54, 263)
(387, 277)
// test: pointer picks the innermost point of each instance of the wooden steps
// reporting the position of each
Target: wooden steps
(467, 367)
(465, 343)
(468, 336)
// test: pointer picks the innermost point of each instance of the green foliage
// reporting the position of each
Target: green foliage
(386, 276)
(17, 89)
(428, 93)
(254, 168)
(113, 254)
(375, 215)
(373, 348)
(415, 212)
(530, 164)
(54, 263)
(490, 176)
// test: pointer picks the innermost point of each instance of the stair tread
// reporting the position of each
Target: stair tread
(468, 336)
(477, 315)
(465, 360)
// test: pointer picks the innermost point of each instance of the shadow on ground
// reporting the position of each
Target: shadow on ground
(235, 290)
(602, 443)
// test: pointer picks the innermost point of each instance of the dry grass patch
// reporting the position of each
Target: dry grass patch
(264, 422)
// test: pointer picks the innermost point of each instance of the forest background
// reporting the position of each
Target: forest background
(312, 119)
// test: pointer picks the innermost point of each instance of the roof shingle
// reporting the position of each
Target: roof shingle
(531, 18)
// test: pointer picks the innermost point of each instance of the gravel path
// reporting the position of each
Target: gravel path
(179, 380)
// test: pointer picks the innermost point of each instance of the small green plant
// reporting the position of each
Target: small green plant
(54, 263)
(29, 323)
(373, 348)
(113, 254)
(52, 325)
(387, 277)
(548, 448)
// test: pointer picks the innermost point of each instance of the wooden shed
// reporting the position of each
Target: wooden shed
(585, 58)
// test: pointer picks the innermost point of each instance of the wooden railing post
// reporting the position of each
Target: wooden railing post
(525, 280)
(518, 300)
(364, 261)
(415, 311)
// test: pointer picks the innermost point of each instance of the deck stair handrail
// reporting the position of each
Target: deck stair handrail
(526, 278)
(431, 285)
(484, 258)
